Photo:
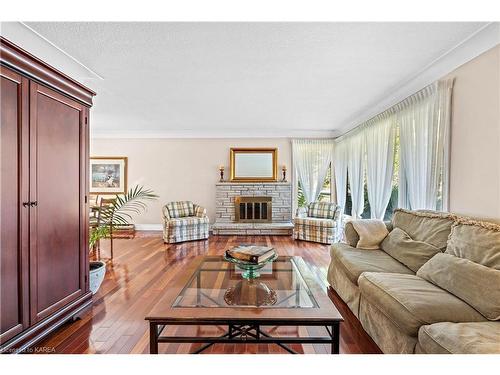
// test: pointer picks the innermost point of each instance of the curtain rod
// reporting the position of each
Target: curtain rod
(313, 139)
(389, 111)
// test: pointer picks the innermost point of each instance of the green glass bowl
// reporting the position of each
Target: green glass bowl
(250, 269)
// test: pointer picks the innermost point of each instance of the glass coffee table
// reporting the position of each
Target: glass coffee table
(213, 291)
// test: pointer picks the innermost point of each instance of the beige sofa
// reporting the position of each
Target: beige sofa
(432, 287)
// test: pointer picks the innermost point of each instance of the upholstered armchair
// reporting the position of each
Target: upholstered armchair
(317, 222)
(184, 221)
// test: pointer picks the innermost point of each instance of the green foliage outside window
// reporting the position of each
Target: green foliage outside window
(324, 195)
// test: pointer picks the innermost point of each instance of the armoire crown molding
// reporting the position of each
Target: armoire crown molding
(25, 63)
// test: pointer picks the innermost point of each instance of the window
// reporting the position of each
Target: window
(393, 201)
(348, 201)
(301, 199)
(348, 198)
(326, 192)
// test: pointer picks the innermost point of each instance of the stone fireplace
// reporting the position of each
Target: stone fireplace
(247, 208)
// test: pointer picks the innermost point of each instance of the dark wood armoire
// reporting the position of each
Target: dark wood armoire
(44, 141)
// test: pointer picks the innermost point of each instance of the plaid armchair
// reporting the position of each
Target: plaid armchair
(184, 221)
(317, 222)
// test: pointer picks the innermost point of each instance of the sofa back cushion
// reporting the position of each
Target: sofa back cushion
(323, 210)
(180, 209)
(413, 254)
(471, 282)
(427, 226)
(477, 241)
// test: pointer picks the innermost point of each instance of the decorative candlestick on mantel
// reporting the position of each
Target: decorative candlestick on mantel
(221, 170)
(284, 173)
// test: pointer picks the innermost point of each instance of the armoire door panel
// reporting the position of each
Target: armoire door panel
(56, 217)
(14, 304)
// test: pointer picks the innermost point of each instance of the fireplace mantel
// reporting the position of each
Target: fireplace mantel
(225, 220)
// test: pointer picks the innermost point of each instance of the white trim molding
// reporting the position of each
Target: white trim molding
(62, 51)
(38, 45)
(215, 133)
(150, 227)
(154, 227)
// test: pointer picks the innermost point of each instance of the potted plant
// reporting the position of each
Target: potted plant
(117, 213)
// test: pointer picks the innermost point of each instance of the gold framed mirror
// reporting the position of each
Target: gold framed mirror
(254, 164)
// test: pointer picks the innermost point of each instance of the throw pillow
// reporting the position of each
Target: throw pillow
(413, 254)
(371, 233)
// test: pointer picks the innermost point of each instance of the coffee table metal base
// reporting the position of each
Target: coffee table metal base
(245, 333)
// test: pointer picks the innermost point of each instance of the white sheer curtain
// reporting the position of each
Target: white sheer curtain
(340, 167)
(312, 158)
(379, 136)
(424, 122)
(445, 91)
(355, 144)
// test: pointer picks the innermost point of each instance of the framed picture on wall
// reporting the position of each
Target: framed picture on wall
(108, 175)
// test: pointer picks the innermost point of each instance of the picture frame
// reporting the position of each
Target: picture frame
(254, 164)
(108, 175)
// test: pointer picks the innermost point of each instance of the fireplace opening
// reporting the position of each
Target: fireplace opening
(253, 209)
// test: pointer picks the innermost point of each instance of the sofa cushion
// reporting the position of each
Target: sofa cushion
(315, 222)
(412, 254)
(460, 338)
(356, 261)
(477, 241)
(387, 335)
(428, 226)
(410, 301)
(323, 210)
(464, 279)
(187, 221)
(180, 209)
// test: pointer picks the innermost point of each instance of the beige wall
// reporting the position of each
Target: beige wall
(475, 137)
(186, 169)
(181, 169)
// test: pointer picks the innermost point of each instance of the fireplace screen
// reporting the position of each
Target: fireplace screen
(253, 209)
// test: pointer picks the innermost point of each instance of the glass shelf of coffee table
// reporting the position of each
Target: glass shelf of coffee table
(219, 283)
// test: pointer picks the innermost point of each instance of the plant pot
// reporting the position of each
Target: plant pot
(96, 275)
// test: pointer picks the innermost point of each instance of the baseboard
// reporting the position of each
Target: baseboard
(152, 227)
(155, 227)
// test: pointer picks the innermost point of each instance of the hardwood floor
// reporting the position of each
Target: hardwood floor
(142, 267)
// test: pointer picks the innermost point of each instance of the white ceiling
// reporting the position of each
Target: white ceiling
(246, 79)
